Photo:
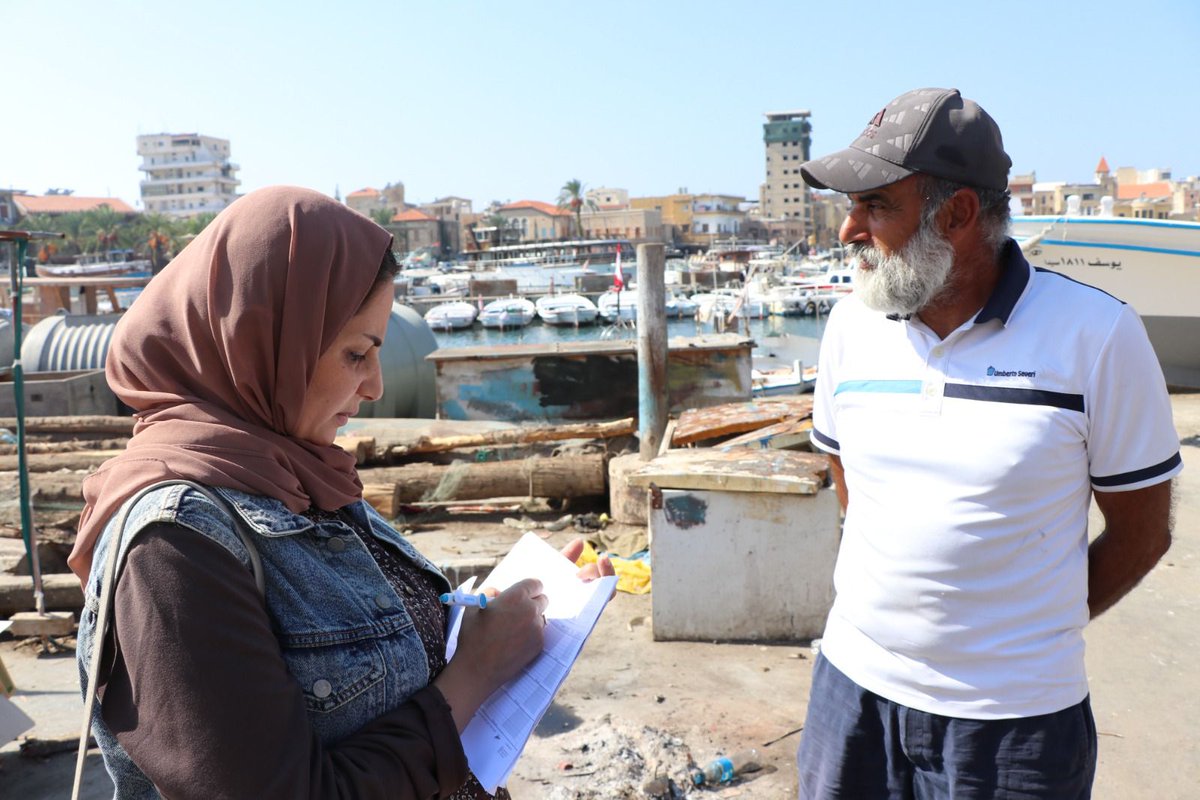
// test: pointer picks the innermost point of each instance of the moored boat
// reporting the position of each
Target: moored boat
(617, 305)
(508, 312)
(679, 306)
(92, 266)
(451, 316)
(1154, 265)
(566, 309)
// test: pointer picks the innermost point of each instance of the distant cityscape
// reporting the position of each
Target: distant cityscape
(190, 176)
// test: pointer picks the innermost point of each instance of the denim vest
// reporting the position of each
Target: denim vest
(343, 631)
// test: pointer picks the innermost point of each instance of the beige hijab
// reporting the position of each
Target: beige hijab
(216, 355)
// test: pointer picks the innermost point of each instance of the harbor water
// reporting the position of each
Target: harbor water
(786, 338)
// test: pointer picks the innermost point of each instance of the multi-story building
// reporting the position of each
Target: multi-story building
(454, 216)
(187, 174)
(389, 198)
(784, 195)
(1020, 188)
(717, 216)
(535, 221)
(415, 230)
(638, 225)
(607, 198)
(696, 221)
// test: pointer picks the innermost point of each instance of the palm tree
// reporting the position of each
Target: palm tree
(194, 225)
(571, 197)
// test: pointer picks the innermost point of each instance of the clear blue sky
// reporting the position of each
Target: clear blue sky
(508, 100)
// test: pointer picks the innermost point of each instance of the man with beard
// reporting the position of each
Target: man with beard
(972, 407)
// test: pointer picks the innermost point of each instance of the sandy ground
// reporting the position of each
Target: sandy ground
(634, 708)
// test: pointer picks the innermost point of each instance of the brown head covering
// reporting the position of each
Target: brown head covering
(216, 355)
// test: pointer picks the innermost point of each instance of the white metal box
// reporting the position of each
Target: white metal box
(741, 566)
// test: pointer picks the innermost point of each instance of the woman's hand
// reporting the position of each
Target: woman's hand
(494, 644)
(588, 572)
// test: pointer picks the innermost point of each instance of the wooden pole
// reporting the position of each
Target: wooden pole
(529, 434)
(652, 348)
(79, 424)
(563, 476)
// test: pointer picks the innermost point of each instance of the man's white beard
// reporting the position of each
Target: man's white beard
(906, 281)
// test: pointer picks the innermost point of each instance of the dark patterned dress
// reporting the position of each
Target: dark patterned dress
(421, 599)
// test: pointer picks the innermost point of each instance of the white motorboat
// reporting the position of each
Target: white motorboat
(617, 305)
(680, 306)
(94, 266)
(1154, 265)
(728, 305)
(773, 380)
(508, 312)
(452, 316)
(566, 309)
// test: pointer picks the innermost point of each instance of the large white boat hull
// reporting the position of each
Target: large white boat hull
(1154, 265)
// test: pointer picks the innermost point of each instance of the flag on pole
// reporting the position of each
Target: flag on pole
(618, 277)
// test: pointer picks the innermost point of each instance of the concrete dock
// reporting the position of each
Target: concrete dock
(632, 704)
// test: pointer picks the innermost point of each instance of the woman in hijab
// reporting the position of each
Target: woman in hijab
(241, 360)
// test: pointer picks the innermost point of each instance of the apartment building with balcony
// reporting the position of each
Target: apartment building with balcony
(187, 174)
(694, 222)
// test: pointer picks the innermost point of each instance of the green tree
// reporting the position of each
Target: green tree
(571, 197)
(194, 225)
(383, 216)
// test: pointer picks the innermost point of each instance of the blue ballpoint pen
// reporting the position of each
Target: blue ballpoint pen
(460, 598)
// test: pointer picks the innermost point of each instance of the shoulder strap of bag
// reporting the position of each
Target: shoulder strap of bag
(108, 591)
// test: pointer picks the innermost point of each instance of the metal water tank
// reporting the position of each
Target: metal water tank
(65, 342)
(409, 380)
(78, 342)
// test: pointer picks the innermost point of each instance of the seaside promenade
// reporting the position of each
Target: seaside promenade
(633, 705)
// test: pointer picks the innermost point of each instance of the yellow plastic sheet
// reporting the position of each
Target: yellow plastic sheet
(633, 574)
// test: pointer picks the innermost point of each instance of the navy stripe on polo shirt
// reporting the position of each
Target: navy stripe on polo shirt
(970, 462)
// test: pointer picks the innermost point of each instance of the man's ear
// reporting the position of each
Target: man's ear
(960, 214)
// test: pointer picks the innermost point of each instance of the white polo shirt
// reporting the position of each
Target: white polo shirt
(970, 461)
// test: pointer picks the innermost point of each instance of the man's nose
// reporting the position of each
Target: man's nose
(852, 230)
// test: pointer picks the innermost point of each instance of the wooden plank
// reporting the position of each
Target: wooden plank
(52, 623)
(383, 497)
(737, 470)
(65, 446)
(51, 462)
(781, 436)
(520, 435)
(361, 447)
(562, 476)
(700, 424)
(62, 591)
(80, 424)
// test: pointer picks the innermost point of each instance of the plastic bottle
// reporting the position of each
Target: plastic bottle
(726, 768)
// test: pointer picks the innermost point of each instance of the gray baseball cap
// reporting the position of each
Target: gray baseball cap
(932, 131)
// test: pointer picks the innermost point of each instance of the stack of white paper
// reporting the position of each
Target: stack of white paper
(497, 734)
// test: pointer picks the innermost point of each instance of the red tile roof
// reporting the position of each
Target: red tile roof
(367, 192)
(1102, 166)
(67, 203)
(537, 205)
(413, 215)
(1132, 191)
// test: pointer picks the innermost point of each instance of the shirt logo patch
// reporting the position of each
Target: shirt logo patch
(1010, 373)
